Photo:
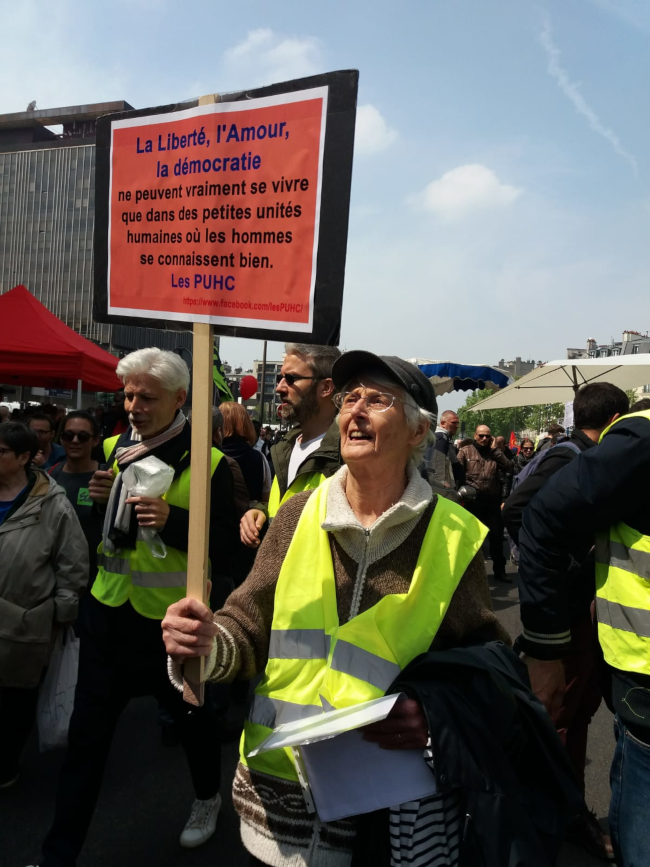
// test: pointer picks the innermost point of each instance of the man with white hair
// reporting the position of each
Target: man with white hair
(122, 653)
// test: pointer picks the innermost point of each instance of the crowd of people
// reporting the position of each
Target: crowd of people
(347, 560)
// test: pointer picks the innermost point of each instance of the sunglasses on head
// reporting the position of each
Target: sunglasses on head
(68, 436)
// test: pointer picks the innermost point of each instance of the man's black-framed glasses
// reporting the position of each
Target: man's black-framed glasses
(292, 378)
(3, 451)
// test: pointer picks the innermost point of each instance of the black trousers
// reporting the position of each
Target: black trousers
(488, 510)
(17, 714)
(122, 656)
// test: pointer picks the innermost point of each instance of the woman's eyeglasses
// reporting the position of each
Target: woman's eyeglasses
(378, 401)
(68, 436)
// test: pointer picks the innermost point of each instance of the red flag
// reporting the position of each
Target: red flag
(513, 440)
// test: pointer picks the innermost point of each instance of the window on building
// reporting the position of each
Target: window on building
(635, 349)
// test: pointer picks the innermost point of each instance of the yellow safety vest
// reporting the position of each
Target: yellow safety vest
(314, 663)
(623, 591)
(304, 482)
(151, 584)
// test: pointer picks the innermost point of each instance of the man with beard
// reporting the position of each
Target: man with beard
(310, 452)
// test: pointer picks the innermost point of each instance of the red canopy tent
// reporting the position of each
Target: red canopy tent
(36, 348)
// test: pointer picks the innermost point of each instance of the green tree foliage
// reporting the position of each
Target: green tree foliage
(502, 421)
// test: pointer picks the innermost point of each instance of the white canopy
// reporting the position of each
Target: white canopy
(557, 381)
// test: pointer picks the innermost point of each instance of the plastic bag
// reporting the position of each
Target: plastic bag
(56, 696)
(149, 477)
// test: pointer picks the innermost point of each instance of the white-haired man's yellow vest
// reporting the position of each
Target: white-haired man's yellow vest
(151, 584)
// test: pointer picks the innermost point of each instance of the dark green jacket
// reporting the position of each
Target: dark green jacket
(326, 459)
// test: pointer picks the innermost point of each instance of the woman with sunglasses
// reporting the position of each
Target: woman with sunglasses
(526, 452)
(79, 437)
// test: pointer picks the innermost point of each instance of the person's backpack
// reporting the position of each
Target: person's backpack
(534, 463)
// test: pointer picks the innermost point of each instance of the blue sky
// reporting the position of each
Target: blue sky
(501, 196)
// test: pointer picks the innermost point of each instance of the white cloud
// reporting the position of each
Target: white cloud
(463, 190)
(265, 57)
(571, 89)
(372, 133)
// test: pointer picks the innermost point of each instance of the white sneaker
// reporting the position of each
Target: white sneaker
(202, 822)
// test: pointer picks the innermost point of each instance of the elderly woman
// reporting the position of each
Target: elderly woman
(371, 564)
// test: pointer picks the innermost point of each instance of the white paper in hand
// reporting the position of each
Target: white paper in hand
(348, 775)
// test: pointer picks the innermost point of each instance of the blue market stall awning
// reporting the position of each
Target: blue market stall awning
(447, 376)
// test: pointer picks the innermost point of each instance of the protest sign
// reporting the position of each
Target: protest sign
(232, 214)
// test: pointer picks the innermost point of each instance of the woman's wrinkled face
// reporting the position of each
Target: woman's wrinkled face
(373, 426)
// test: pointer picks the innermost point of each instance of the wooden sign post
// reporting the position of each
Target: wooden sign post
(199, 523)
(226, 216)
(197, 543)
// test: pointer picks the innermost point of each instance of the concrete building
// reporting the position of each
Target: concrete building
(271, 400)
(47, 214)
(517, 367)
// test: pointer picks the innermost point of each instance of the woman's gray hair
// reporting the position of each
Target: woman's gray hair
(414, 413)
(167, 367)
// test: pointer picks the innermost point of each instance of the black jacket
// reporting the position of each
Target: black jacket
(601, 487)
(326, 459)
(493, 740)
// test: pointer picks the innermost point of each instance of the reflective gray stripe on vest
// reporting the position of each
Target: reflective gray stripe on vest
(299, 644)
(350, 659)
(159, 579)
(270, 712)
(629, 559)
(623, 617)
(116, 565)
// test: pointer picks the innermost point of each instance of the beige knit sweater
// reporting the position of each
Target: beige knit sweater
(275, 825)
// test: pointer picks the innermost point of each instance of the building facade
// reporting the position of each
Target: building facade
(517, 367)
(47, 216)
(268, 396)
(631, 343)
